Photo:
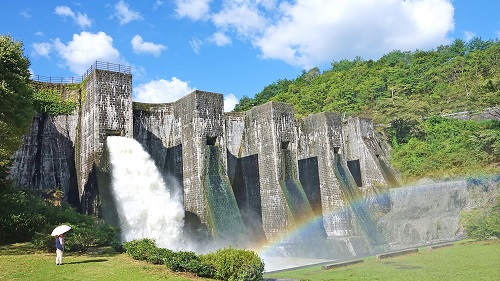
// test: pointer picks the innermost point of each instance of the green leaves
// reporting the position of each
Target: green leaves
(16, 111)
(225, 264)
(50, 101)
(442, 147)
(26, 217)
(482, 224)
(236, 264)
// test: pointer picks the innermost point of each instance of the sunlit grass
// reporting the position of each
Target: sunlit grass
(463, 261)
(22, 262)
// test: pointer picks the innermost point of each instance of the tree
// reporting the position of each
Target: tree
(16, 111)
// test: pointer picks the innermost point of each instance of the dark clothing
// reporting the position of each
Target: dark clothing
(59, 243)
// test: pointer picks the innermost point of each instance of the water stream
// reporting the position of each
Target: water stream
(146, 207)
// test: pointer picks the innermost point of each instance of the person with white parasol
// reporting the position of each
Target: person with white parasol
(58, 232)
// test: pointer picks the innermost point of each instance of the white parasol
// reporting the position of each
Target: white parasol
(60, 230)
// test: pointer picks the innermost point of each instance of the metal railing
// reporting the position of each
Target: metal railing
(106, 66)
(56, 80)
(75, 80)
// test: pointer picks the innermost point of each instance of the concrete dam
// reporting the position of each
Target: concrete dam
(254, 177)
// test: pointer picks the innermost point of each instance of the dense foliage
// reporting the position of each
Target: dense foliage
(225, 264)
(408, 85)
(26, 217)
(15, 94)
(442, 147)
(50, 101)
(482, 224)
(235, 264)
(399, 91)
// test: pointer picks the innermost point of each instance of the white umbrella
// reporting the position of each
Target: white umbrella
(60, 229)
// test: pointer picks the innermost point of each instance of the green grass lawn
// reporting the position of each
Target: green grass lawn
(463, 261)
(21, 262)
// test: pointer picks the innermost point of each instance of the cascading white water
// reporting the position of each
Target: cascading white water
(146, 207)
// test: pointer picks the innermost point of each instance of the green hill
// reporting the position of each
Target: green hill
(399, 92)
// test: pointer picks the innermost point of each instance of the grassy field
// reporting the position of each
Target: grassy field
(463, 261)
(21, 262)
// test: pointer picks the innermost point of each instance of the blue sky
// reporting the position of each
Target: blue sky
(237, 47)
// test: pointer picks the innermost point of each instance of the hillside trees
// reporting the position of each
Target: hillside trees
(400, 91)
(15, 93)
(457, 77)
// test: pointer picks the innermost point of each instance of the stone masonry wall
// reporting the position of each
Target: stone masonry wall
(153, 128)
(45, 161)
(360, 143)
(320, 136)
(176, 135)
(267, 128)
(107, 110)
(199, 118)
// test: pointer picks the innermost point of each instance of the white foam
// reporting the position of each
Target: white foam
(146, 207)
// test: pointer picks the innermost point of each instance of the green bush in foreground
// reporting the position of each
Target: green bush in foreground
(225, 264)
(236, 264)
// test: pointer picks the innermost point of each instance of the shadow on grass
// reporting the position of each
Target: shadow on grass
(86, 261)
(17, 249)
(28, 249)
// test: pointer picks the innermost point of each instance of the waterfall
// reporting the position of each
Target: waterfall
(146, 207)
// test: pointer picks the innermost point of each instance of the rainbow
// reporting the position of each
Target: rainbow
(267, 249)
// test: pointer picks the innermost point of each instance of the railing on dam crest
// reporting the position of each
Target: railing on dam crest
(75, 80)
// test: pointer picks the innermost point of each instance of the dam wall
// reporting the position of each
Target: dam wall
(264, 161)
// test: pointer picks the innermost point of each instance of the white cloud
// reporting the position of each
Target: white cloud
(139, 46)
(85, 48)
(244, 18)
(192, 9)
(468, 35)
(25, 14)
(196, 45)
(314, 32)
(80, 19)
(230, 102)
(42, 49)
(124, 14)
(162, 90)
(308, 33)
(220, 39)
(64, 11)
(158, 4)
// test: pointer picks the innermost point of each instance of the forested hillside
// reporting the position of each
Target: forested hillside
(400, 91)
(457, 77)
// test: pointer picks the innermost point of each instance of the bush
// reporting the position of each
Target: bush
(236, 264)
(225, 264)
(140, 249)
(145, 249)
(481, 225)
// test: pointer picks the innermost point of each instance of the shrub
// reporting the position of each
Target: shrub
(140, 249)
(480, 225)
(159, 255)
(236, 264)
(145, 249)
(225, 264)
(25, 217)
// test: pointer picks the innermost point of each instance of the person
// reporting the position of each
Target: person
(59, 249)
